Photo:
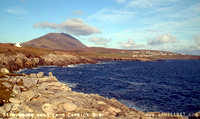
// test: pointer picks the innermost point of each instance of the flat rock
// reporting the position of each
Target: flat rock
(43, 79)
(68, 106)
(15, 100)
(101, 103)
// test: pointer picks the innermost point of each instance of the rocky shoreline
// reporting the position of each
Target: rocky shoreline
(36, 96)
(20, 61)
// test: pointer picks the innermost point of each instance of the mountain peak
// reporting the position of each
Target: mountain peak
(56, 41)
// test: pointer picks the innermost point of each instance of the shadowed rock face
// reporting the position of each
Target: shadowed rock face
(59, 41)
(20, 61)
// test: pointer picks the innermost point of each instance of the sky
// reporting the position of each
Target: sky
(167, 25)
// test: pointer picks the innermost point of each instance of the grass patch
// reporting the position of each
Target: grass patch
(10, 49)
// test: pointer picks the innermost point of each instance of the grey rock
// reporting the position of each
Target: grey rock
(30, 82)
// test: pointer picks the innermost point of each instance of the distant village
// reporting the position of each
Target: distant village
(149, 53)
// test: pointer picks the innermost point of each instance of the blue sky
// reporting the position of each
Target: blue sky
(172, 25)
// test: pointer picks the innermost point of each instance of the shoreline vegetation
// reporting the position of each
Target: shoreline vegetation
(36, 95)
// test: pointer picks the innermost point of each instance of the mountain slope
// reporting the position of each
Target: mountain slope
(56, 41)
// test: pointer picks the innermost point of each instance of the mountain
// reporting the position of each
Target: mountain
(56, 41)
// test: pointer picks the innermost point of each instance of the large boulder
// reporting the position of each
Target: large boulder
(30, 82)
(28, 95)
(4, 71)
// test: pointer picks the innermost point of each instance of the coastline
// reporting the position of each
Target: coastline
(45, 95)
(16, 60)
(126, 113)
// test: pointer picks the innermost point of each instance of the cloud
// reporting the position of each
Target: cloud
(99, 41)
(16, 11)
(140, 3)
(120, 1)
(193, 48)
(73, 26)
(130, 44)
(112, 16)
(196, 44)
(190, 52)
(163, 39)
(149, 3)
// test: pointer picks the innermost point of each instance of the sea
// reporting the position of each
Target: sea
(163, 86)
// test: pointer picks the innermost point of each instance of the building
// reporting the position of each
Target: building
(18, 45)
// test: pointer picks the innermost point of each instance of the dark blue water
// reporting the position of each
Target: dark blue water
(165, 86)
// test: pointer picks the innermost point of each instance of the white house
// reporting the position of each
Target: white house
(18, 45)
